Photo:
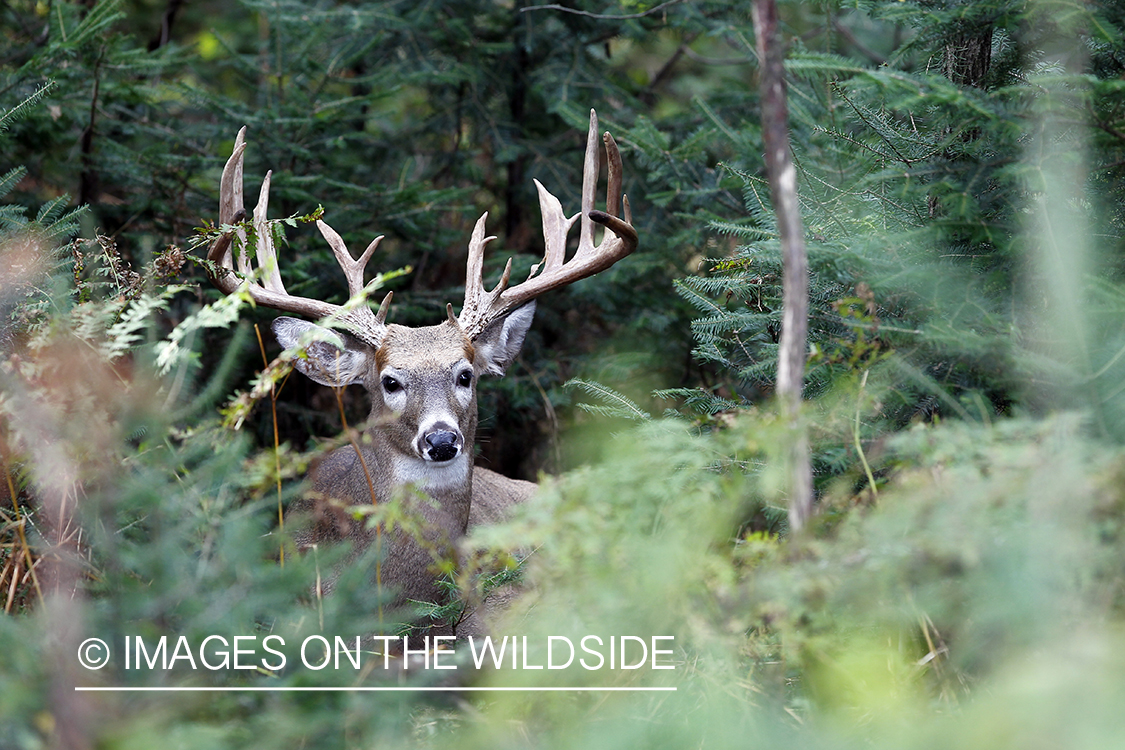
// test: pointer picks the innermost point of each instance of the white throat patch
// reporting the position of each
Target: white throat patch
(432, 477)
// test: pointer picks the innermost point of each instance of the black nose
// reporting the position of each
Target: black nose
(442, 445)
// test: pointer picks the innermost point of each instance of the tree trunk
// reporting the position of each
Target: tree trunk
(968, 57)
(795, 279)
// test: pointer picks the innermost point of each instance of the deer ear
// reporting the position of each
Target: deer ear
(333, 359)
(499, 344)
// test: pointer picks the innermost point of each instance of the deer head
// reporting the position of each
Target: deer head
(422, 380)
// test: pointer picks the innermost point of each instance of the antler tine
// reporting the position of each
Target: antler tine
(613, 200)
(269, 291)
(613, 166)
(353, 269)
(268, 270)
(384, 307)
(556, 227)
(481, 309)
(230, 186)
(590, 168)
(477, 300)
(474, 269)
(230, 201)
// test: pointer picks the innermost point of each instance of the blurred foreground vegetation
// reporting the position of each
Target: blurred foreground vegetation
(961, 170)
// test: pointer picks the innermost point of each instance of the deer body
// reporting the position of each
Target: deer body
(420, 433)
(422, 381)
(489, 499)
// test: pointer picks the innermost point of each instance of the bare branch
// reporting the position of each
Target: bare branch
(600, 16)
(862, 48)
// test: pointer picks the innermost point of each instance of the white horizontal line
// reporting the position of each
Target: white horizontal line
(420, 689)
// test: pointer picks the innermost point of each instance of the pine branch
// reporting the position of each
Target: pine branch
(23, 108)
(617, 405)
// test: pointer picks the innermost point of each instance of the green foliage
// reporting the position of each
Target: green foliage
(989, 545)
(928, 269)
(961, 584)
(615, 405)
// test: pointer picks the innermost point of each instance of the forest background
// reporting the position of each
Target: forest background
(960, 168)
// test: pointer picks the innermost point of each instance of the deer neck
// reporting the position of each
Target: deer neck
(449, 484)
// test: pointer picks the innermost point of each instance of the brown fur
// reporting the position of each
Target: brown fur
(445, 498)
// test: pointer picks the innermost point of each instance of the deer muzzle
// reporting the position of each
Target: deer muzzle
(441, 443)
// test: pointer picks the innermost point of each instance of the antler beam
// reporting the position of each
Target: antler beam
(482, 308)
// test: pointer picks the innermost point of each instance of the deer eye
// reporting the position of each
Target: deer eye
(465, 379)
(390, 385)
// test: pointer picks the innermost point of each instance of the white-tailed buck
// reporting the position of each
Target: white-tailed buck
(422, 381)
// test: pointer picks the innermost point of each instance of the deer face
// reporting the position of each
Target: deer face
(422, 381)
(423, 391)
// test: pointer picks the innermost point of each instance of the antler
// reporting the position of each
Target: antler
(268, 290)
(482, 308)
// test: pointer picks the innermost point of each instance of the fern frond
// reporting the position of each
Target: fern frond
(129, 329)
(617, 405)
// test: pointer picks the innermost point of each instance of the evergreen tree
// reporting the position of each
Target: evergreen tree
(960, 177)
